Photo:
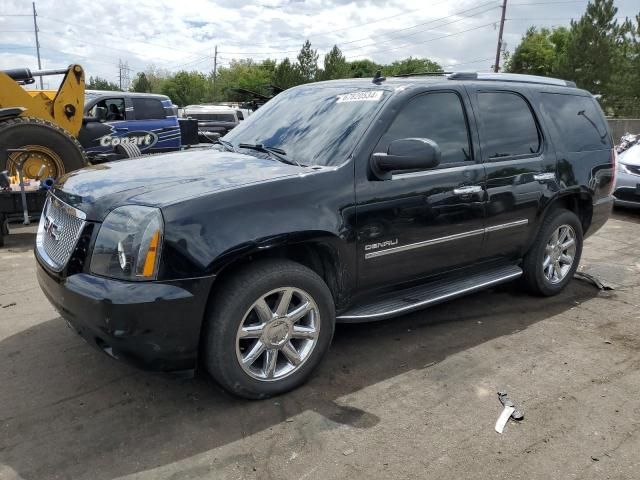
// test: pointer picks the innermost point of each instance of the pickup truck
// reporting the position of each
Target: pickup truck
(146, 120)
(340, 201)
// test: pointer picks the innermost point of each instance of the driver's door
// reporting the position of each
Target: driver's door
(422, 223)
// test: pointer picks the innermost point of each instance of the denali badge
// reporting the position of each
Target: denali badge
(375, 246)
(51, 228)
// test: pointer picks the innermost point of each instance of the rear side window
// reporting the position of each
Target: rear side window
(507, 126)
(148, 108)
(577, 122)
(437, 116)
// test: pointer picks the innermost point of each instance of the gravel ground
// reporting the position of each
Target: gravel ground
(408, 398)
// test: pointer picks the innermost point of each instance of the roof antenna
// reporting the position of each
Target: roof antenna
(378, 78)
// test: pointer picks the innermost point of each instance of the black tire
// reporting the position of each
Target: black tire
(227, 309)
(534, 279)
(21, 131)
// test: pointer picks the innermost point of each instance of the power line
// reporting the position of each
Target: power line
(391, 32)
(133, 39)
(415, 33)
(428, 40)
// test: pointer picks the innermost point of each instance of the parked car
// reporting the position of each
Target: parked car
(627, 191)
(339, 201)
(145, 120)
(214, 121)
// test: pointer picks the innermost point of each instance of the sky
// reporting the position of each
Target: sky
(175, 35)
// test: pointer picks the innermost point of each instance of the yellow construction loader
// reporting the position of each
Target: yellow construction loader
(39, 128)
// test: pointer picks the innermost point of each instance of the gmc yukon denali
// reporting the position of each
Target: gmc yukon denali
(340, 201)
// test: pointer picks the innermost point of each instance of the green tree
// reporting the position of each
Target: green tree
(363, 68)
(411, 65)
(245, 74)
(186, 88)
(538, 52)
(97, 83)
(592, 48)
(141, 83)
(335, 66)
(286, 75)
(308, 62)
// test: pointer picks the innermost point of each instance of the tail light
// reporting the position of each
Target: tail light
(614, 169)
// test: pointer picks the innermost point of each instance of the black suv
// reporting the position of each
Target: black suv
(342, 201)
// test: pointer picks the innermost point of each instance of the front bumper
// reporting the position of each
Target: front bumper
(627, 191)
(155, 326)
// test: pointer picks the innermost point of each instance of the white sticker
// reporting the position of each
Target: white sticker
(364, 96)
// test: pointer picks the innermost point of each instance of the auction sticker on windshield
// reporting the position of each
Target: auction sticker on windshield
(364, 96)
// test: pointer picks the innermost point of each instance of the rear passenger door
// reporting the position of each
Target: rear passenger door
(154, 117)
(520, 167)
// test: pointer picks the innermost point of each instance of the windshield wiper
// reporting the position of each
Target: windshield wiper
(277, 153)
(226, 144)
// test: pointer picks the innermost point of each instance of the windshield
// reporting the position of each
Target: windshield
(313, 125)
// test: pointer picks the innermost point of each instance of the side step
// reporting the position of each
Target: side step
(415, 298)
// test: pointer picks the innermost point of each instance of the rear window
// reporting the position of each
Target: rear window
(507, 125)
(577, 123)
(148, 108)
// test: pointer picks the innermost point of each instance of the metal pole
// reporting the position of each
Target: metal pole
(496, 65)
(215, 68)
(35, 29)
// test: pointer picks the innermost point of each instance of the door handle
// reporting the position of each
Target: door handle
(544, 176)
(121, 129)
(467, 190)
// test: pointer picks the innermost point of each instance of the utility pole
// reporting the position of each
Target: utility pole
(496, 65)
(120, 73)
(35, 29)
(215, 68)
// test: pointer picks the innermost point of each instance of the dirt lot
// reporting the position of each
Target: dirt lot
(409, 398)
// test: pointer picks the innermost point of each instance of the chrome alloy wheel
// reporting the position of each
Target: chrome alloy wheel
(278, 334)
(559, 254)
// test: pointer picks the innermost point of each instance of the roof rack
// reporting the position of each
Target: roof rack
(511, 77)
(502, 77)
(423, 74)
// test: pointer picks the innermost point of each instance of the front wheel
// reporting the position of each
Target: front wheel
(268, 327)
(554, 257)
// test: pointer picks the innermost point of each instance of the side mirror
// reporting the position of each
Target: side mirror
(406, 154)
(101, 114)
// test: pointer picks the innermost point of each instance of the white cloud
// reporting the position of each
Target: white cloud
(173, 35)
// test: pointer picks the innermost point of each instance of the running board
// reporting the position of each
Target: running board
(416, 298)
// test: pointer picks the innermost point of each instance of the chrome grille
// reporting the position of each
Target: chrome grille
(58, 233)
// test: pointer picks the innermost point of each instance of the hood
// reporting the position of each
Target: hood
(630, 156)
(160, 180)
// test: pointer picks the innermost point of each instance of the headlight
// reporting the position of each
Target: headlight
(625, 169)
(129, 243)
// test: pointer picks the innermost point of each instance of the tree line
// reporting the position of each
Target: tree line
(186, 88)
(598, 52)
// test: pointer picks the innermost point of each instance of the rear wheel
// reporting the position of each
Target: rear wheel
(51, 150)
(554, 257)
(268, 327)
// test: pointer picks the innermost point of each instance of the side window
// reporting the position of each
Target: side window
(148, 108)
(112, 109)
(507, 126)
(438, 116)
(577, 121)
